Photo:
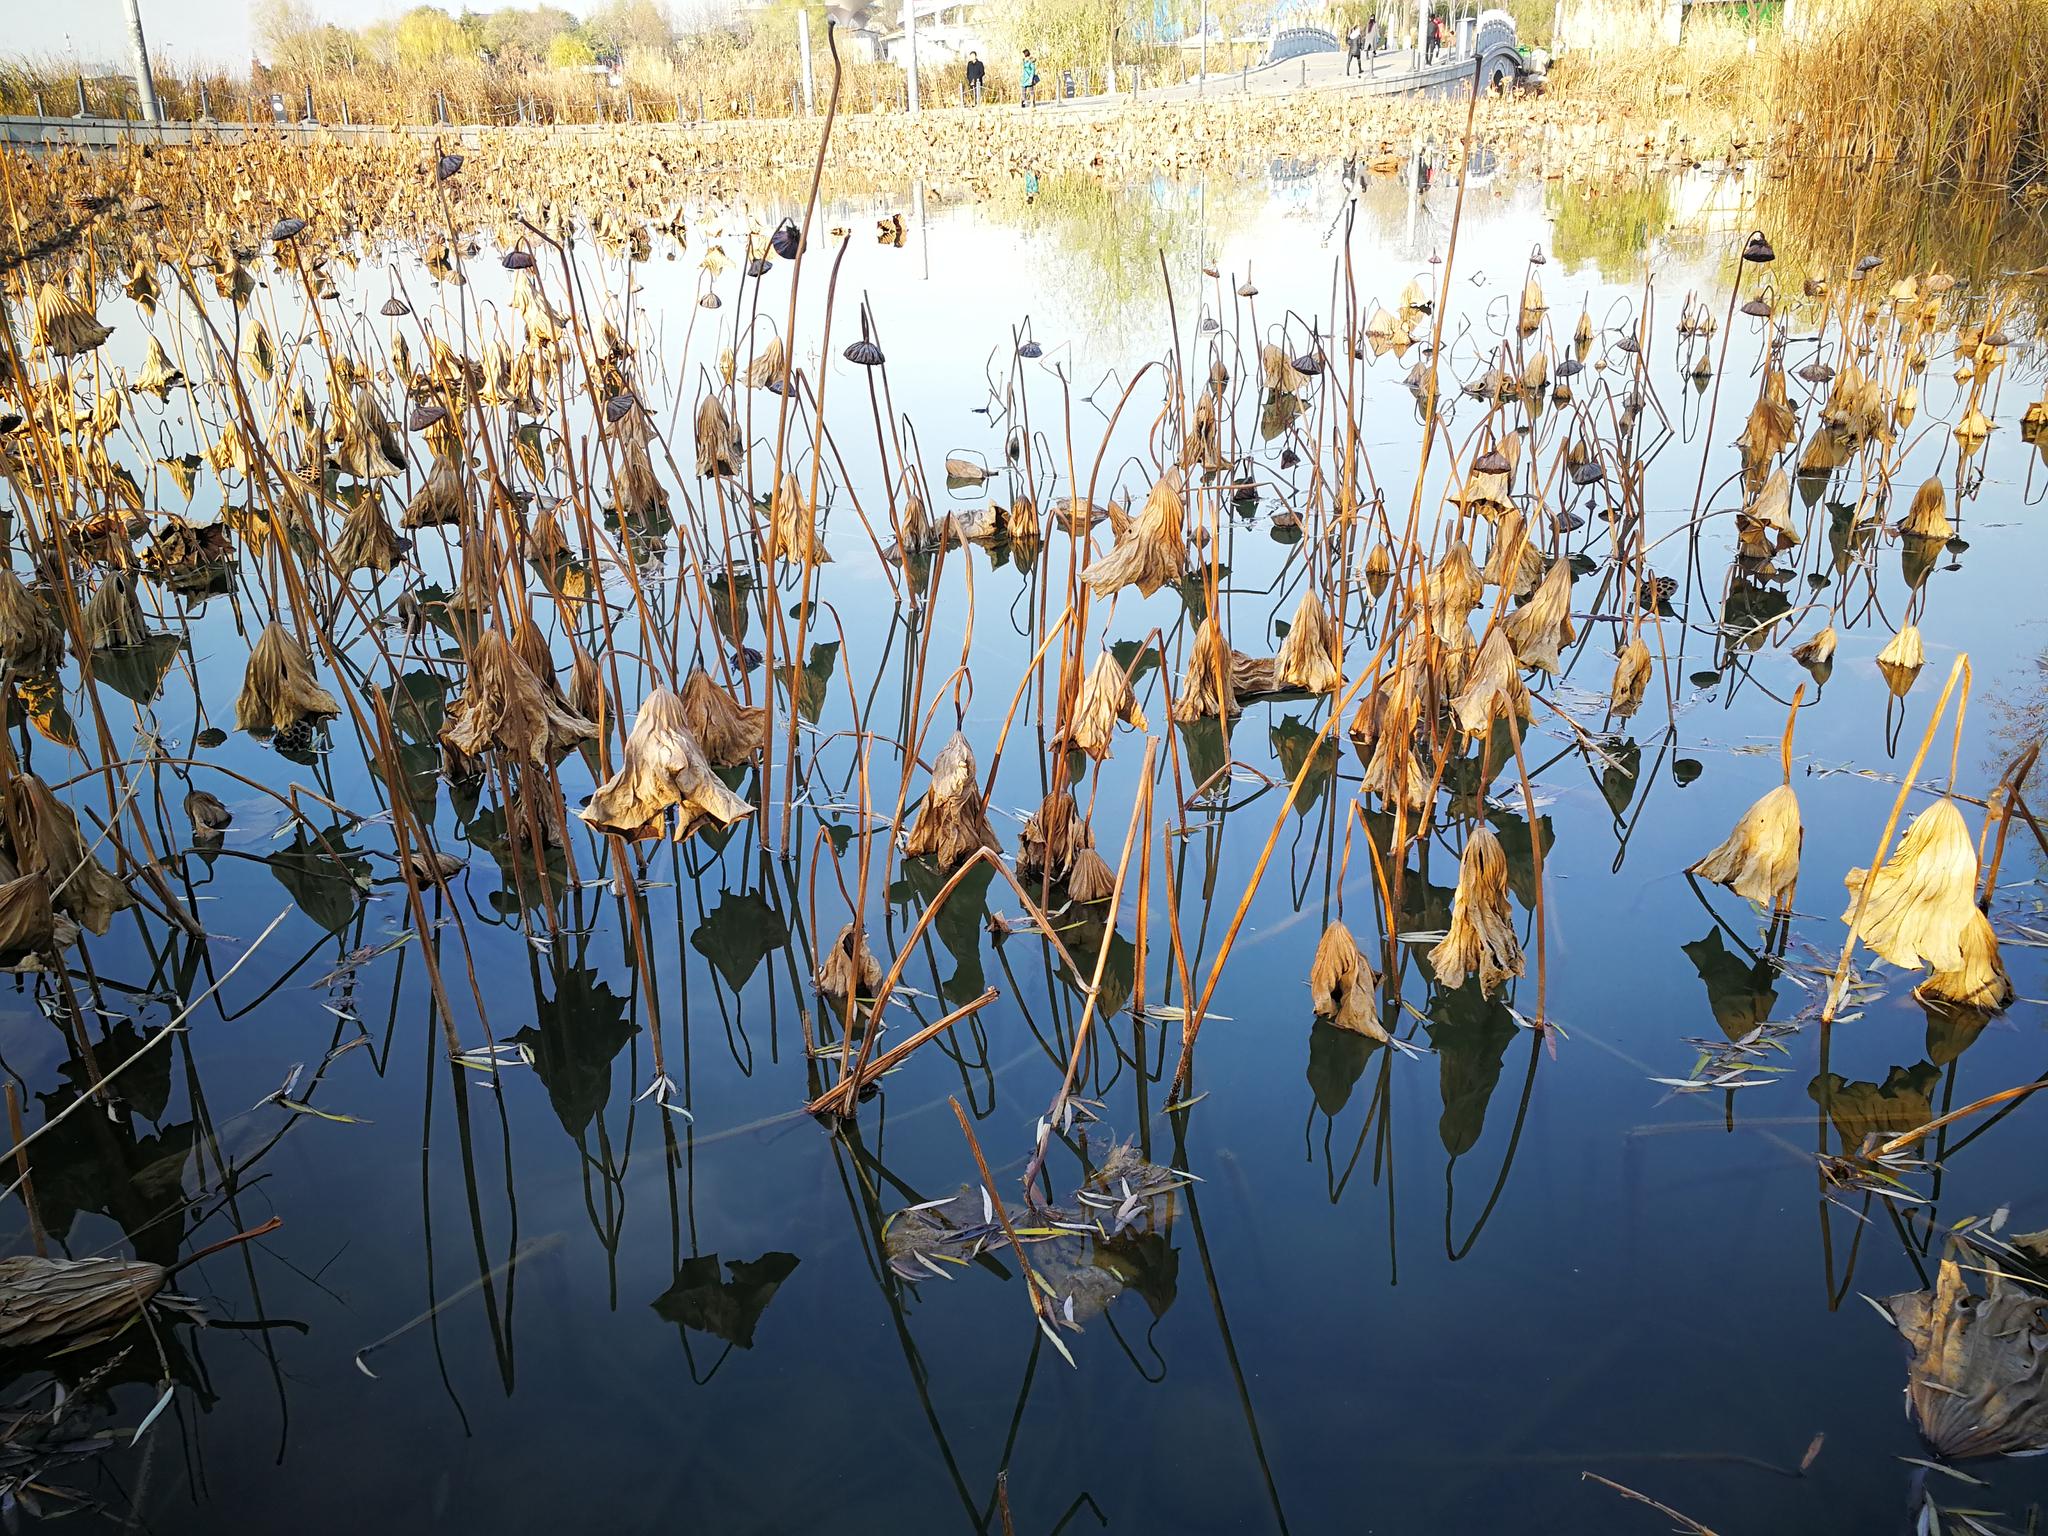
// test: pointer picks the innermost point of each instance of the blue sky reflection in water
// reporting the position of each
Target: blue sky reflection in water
(1409, 1293)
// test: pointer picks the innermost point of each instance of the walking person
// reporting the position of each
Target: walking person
(1027, 82)
(977, 72)
(1373, 43)
(1354, 50)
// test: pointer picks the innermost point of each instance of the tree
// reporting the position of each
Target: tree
(428, 35)
(568, 51)
(622, 24)
(520, 39)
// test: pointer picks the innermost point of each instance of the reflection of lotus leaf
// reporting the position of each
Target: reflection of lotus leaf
(1750, 612)
(325, 876)
(727, 1309)
(1742, 993)
(144, 1087)
(573, 1040)
(1144, 1262)
(1337, 1059)
(1952, 1030)
(959, 925)
(1514, 842)
(137, 671)
(1295, 743)
(737, 934)
(1471, 1034)
(1620, 774)
(1901, 1102)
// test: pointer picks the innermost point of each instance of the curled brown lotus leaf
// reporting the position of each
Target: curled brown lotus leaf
(59, 1305)
(1278, 370)
(1901, 660)
(28, 920)
(1206, 691)
(1152, 553)
(1927, 518)
(158, 376)
(792, 525)
(1543, 625)
(279, 689)
(849, 969)
(1090, 879)
(1341, 983)
(1053, 836)
(208, 815)
(1454, 589)
(1513, 561)
(637, 492)
(1310, 652)
(1204, 445)
(952, 823)
(1765, 526)
(45, 837)
(913, 520)
(363, 443)
(727, 730)
(1106, 698)
(1632, 671)
(662, 769)
(442, 497)
(1921, 904)
(769, 367)
(718, 442)
(1818, 651)
(1481, 938)
(113, 617)
(1493, 687)
(1450, 663)
(31, 639)
(1020, 523)
(1977, 1380)
(367, 541)
(587, 695)
(504, 705)
(1759, 859)
(64, 327)
(1980, 982)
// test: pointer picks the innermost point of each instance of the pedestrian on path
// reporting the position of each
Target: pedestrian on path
(977, 72)
(1027, 82)
(1354, 50)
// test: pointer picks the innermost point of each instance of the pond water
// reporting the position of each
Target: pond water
(1412, 1290)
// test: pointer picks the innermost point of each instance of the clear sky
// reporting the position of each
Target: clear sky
(209, 31)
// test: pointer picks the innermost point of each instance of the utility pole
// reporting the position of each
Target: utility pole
(803, 48)
(144, 83)
(910, 47)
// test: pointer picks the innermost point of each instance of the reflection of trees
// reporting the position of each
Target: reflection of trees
(1609, 229)
(1099, 243)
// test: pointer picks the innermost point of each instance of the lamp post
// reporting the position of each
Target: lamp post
(145, 85)
(910, 48)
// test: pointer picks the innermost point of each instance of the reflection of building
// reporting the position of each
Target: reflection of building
(946, 29)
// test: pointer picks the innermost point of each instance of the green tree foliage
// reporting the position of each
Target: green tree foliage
(522, 39)
(1071, 34)
(429, 35)
(569, 51)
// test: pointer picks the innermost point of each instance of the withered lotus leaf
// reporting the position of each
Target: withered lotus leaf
(663, 769)
(279, 689)
(506, 706)
(952, 823)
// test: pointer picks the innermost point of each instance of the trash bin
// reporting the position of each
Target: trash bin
(1066, 85)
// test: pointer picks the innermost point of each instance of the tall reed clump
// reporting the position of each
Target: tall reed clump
(1944, 92)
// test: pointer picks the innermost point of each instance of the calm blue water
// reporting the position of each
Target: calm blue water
(1408, 1294)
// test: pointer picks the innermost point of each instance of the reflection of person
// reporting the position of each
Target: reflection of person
(976, 73)
(1027, 82)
